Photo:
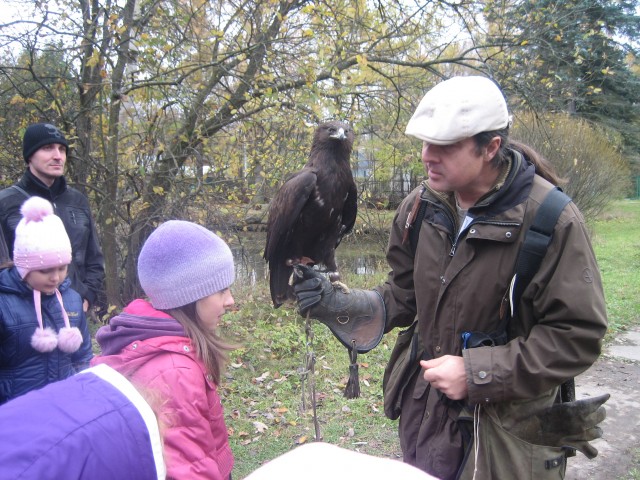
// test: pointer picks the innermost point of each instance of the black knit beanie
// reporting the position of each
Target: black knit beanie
(38, 135)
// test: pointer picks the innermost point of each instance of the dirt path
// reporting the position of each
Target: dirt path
(616, 372)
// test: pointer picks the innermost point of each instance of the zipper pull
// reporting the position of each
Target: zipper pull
(465, 339)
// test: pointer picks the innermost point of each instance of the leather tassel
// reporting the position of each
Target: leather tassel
(352, 390)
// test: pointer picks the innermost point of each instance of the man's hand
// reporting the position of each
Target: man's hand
(447, 374)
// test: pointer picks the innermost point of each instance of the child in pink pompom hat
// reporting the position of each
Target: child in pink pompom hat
(43, 329)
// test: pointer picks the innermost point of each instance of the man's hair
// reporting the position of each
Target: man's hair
(543, 167)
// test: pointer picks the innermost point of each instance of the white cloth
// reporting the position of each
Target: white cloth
(322, 461)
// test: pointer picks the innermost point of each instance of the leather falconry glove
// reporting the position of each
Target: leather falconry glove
(355, 317)
(570, 424)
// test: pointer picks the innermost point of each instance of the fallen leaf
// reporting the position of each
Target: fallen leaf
(260, 427)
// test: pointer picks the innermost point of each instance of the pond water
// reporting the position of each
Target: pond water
(362, 258)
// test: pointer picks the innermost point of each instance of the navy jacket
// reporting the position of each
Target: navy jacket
(87, 265)
(22, 368)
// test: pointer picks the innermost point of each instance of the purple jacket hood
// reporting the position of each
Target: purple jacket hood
(138, 321)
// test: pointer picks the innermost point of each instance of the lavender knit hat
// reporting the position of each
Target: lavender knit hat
(182, 262)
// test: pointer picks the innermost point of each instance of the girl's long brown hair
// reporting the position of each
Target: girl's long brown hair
(210, 347)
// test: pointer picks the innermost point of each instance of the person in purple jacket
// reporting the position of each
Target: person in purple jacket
(92, 426)
(169, 345)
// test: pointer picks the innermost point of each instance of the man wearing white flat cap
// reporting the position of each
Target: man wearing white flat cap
(488, 408)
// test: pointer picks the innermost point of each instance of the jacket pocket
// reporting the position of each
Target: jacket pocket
(502, 455)
(402, 365)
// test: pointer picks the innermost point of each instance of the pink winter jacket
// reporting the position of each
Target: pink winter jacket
(191, 417)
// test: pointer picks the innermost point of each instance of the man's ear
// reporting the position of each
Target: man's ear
(492, 147)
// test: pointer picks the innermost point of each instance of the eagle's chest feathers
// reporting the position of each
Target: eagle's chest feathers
(327, 198)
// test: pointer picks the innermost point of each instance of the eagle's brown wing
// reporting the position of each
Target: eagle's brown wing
(284, 213)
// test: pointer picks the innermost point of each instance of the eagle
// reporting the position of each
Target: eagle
(312, 211)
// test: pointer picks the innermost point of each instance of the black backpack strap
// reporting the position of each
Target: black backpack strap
(21, 190)
(537, 241)
(532, 251)
(414, 234)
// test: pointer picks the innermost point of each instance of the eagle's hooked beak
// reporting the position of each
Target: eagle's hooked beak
(339, 135)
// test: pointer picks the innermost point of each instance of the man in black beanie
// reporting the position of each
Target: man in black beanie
(44, 148)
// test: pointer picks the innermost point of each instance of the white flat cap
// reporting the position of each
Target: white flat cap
(459, 108)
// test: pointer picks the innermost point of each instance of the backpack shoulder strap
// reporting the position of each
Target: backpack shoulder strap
(414, 221)
(21, 190)
(536, 241)
(532, 251)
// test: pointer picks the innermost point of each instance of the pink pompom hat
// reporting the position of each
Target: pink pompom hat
(41, 243)
(41, 240)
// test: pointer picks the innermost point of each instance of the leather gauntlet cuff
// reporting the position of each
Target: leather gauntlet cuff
(355, 318)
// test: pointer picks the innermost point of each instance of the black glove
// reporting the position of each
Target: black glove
(356, 317)
(570, 424)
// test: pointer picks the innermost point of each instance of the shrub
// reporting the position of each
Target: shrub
(587, 156)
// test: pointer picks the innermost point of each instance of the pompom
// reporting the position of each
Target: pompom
(69, 339)
(35, 209)
(44, 340)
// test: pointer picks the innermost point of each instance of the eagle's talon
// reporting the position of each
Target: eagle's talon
(339, 285)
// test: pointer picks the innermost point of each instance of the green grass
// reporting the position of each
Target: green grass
(263, 394)
(634, 472)
(616, 241)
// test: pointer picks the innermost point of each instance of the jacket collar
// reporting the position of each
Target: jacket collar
(33, 185)
(511, 189)
(138, 321)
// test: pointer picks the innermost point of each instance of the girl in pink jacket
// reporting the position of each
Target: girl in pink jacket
(168, 346)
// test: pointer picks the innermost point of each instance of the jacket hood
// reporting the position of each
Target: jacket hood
(138, 321)
(11, 283)
(513, 190)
